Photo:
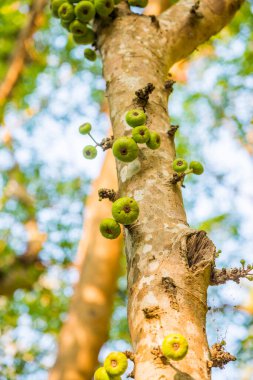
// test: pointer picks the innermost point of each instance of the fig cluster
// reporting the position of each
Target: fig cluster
(77, 17)
(181, 166)
(115, 365)
(124, 211)
(125, 148)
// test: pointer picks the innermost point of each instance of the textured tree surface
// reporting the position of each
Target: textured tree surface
(169, 264)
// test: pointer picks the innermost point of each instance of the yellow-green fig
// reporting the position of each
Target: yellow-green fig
(89, 152)
(115, 364)
(174, 346)
(179, 165)
(196, 167)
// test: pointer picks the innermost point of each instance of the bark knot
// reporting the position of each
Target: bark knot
(200, 250)
(171, 289)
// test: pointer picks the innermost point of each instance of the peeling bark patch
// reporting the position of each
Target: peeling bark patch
(217, 7)
(198, 248)
(151, 312)
(171, 290)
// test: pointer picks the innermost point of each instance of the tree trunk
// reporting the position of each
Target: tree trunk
(169, 264)
(86, 328)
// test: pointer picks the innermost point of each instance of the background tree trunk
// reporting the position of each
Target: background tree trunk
(86, 328)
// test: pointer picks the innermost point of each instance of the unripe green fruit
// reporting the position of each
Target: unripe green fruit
(197, 167)
(65, 24)
(125, 210)
(125, 149)
(136, 117)
(101, 374)
(174, 347)
(86, 39)
(138, 3)
(55, 5)
(141, 134)
(85, 11)
(89, 152)
(179, 165)
(78, 28)
(85, 128)
(109, 228)
(66, 12)
(154, 141)
(115, 364)
(90, 55)
(104, 7)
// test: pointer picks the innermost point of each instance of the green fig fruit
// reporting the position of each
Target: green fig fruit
(154, 141)
(104, 7)
(85, 11)
(85, 128)
(141, 134)
(125, 210)
(196, 167)
(90, 54)
(125, 149)
(90, 152)
(179, 165)
(115, 364)
(109, 228)
(174, 347)
(136, 117)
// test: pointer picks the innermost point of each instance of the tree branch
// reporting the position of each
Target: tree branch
(20, 53)
(189, 23)
(221, 276)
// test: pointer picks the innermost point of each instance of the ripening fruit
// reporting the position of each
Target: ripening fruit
(104, 7)
(115, 364)
(138, 3)
(179, 165)
(125, 149)
(86, 39)
(85, 11)
(109, 228)
(66, 12)
(89, 152)
(77, 27)
(125, 210)
(85, 128)
(174, 347)
(154, 141)
(135, 118)
(196, 167)
(101, 374)
(55, 5)
(90, 54)
(141, 134)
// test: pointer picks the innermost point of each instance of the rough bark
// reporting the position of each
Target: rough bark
(86, 328)
(19, 56)
(169, 264)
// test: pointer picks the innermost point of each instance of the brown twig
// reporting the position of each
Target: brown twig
(221, 276)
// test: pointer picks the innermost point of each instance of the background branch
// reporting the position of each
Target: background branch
(185, 30)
